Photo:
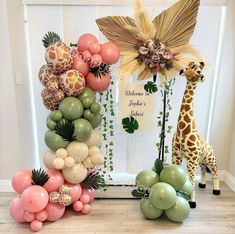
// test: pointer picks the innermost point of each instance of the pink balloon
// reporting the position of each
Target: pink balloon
(95, 48)
(36, 225)
(28, 216)
(86, 209)
(21, 180)
(77, 206)
(96, 60)
(89, 192)
(34, 198)
(17, 211)
(85, 198)
(85, 41)
(80, 65)
(54, 211)
(41, 215)
(55, 181)
(110, 53)
(75, 191)
(98, 84)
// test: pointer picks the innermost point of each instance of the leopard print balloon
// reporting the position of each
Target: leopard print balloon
(64, 189)
(64, 200)
(72, 82)
(54, 197)
(58, 57)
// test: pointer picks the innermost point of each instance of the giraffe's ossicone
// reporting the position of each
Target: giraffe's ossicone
(187, 142)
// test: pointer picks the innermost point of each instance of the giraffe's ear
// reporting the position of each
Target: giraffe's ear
(181, 72)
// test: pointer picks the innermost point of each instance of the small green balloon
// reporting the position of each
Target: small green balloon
(87, 92)
(55, 115)
(51, 124)
(82, 129)
(71, 108)
(96, 121)
(146, 179)
(148, 210)
(187, 188)
(179, 212)
(162, 196)
(87, 101)
(95, 107)
(173, 175)
(54, 141)
(88, 115)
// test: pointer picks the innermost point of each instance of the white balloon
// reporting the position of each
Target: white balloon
(69, 162)
(94, 150)
(95, 138)
(58, 163)
(88, 163)
(97, 159)
(48, 159)
(61, 153)
(75, 174)
(77, 150)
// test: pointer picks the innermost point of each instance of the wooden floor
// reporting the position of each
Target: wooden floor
(213, 215)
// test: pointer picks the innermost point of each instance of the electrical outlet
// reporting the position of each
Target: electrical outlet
(18, 79)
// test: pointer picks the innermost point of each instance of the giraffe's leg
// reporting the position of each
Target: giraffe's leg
(211, 164)
(176, 153)
(192, 164)
(202, 183)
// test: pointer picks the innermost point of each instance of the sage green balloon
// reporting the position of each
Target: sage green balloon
(88, 115)
(162, 196)
(87, 92)
(71, 108)
(55, 115)
(187, 188)
(95, 107)
(148, 210)
(146, 179)
(82, 129)
(179, 212)
(54, 141)
(173, 175)
(51, 124)
(87, 102)
(96, 121)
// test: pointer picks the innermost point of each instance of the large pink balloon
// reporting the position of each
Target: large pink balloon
(85, 41)
(34, 198)
(21, 180)
(54, 211)
(89, 192)
(17, 211)
(55, 181)
(41, 215)
(110, 53)
(28, 216)
(80, 65)
(97, 84)
(75, 191)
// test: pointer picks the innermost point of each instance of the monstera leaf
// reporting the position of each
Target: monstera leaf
(130, 124)
(150, 87)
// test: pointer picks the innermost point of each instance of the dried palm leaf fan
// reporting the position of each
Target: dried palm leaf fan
(141, 40)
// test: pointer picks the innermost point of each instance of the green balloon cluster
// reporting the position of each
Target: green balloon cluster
(165, 193)
(74, 120)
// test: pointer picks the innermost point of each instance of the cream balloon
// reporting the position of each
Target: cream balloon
(69, 162)
(94, 150)
(58, 163)
(95, 139)
(97, 159)
(75, 174)
(77, 150)
(48, 159)
(88, 163)
(61, 153)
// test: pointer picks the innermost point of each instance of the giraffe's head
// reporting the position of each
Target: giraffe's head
(193, 72)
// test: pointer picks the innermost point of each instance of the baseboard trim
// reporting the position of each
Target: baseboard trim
(225, 176)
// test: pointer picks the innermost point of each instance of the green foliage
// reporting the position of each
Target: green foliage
(138, 193)
(50, 38)
(94, 181)
(184, 195)
(130, 124)
(100, 71)
(150, 87)
(65, 129)
(39, 177)
(158, 166)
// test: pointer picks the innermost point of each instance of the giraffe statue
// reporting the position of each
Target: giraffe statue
(187, 142)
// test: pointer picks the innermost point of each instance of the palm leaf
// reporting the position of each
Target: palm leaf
(130, 124)
(150, 87)
(39, 177)
(65, 129)
(94, 181)
(175, 26)
(115, 28)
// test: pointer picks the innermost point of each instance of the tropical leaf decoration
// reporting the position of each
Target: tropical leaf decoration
(65, 129)
(158, 166)
(137, 193)
(94, 181)
(150, 87)
(39, 177)
(50, 38)
(130, 124)
(159, 46)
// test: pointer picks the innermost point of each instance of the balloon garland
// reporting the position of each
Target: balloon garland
(71, 77)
